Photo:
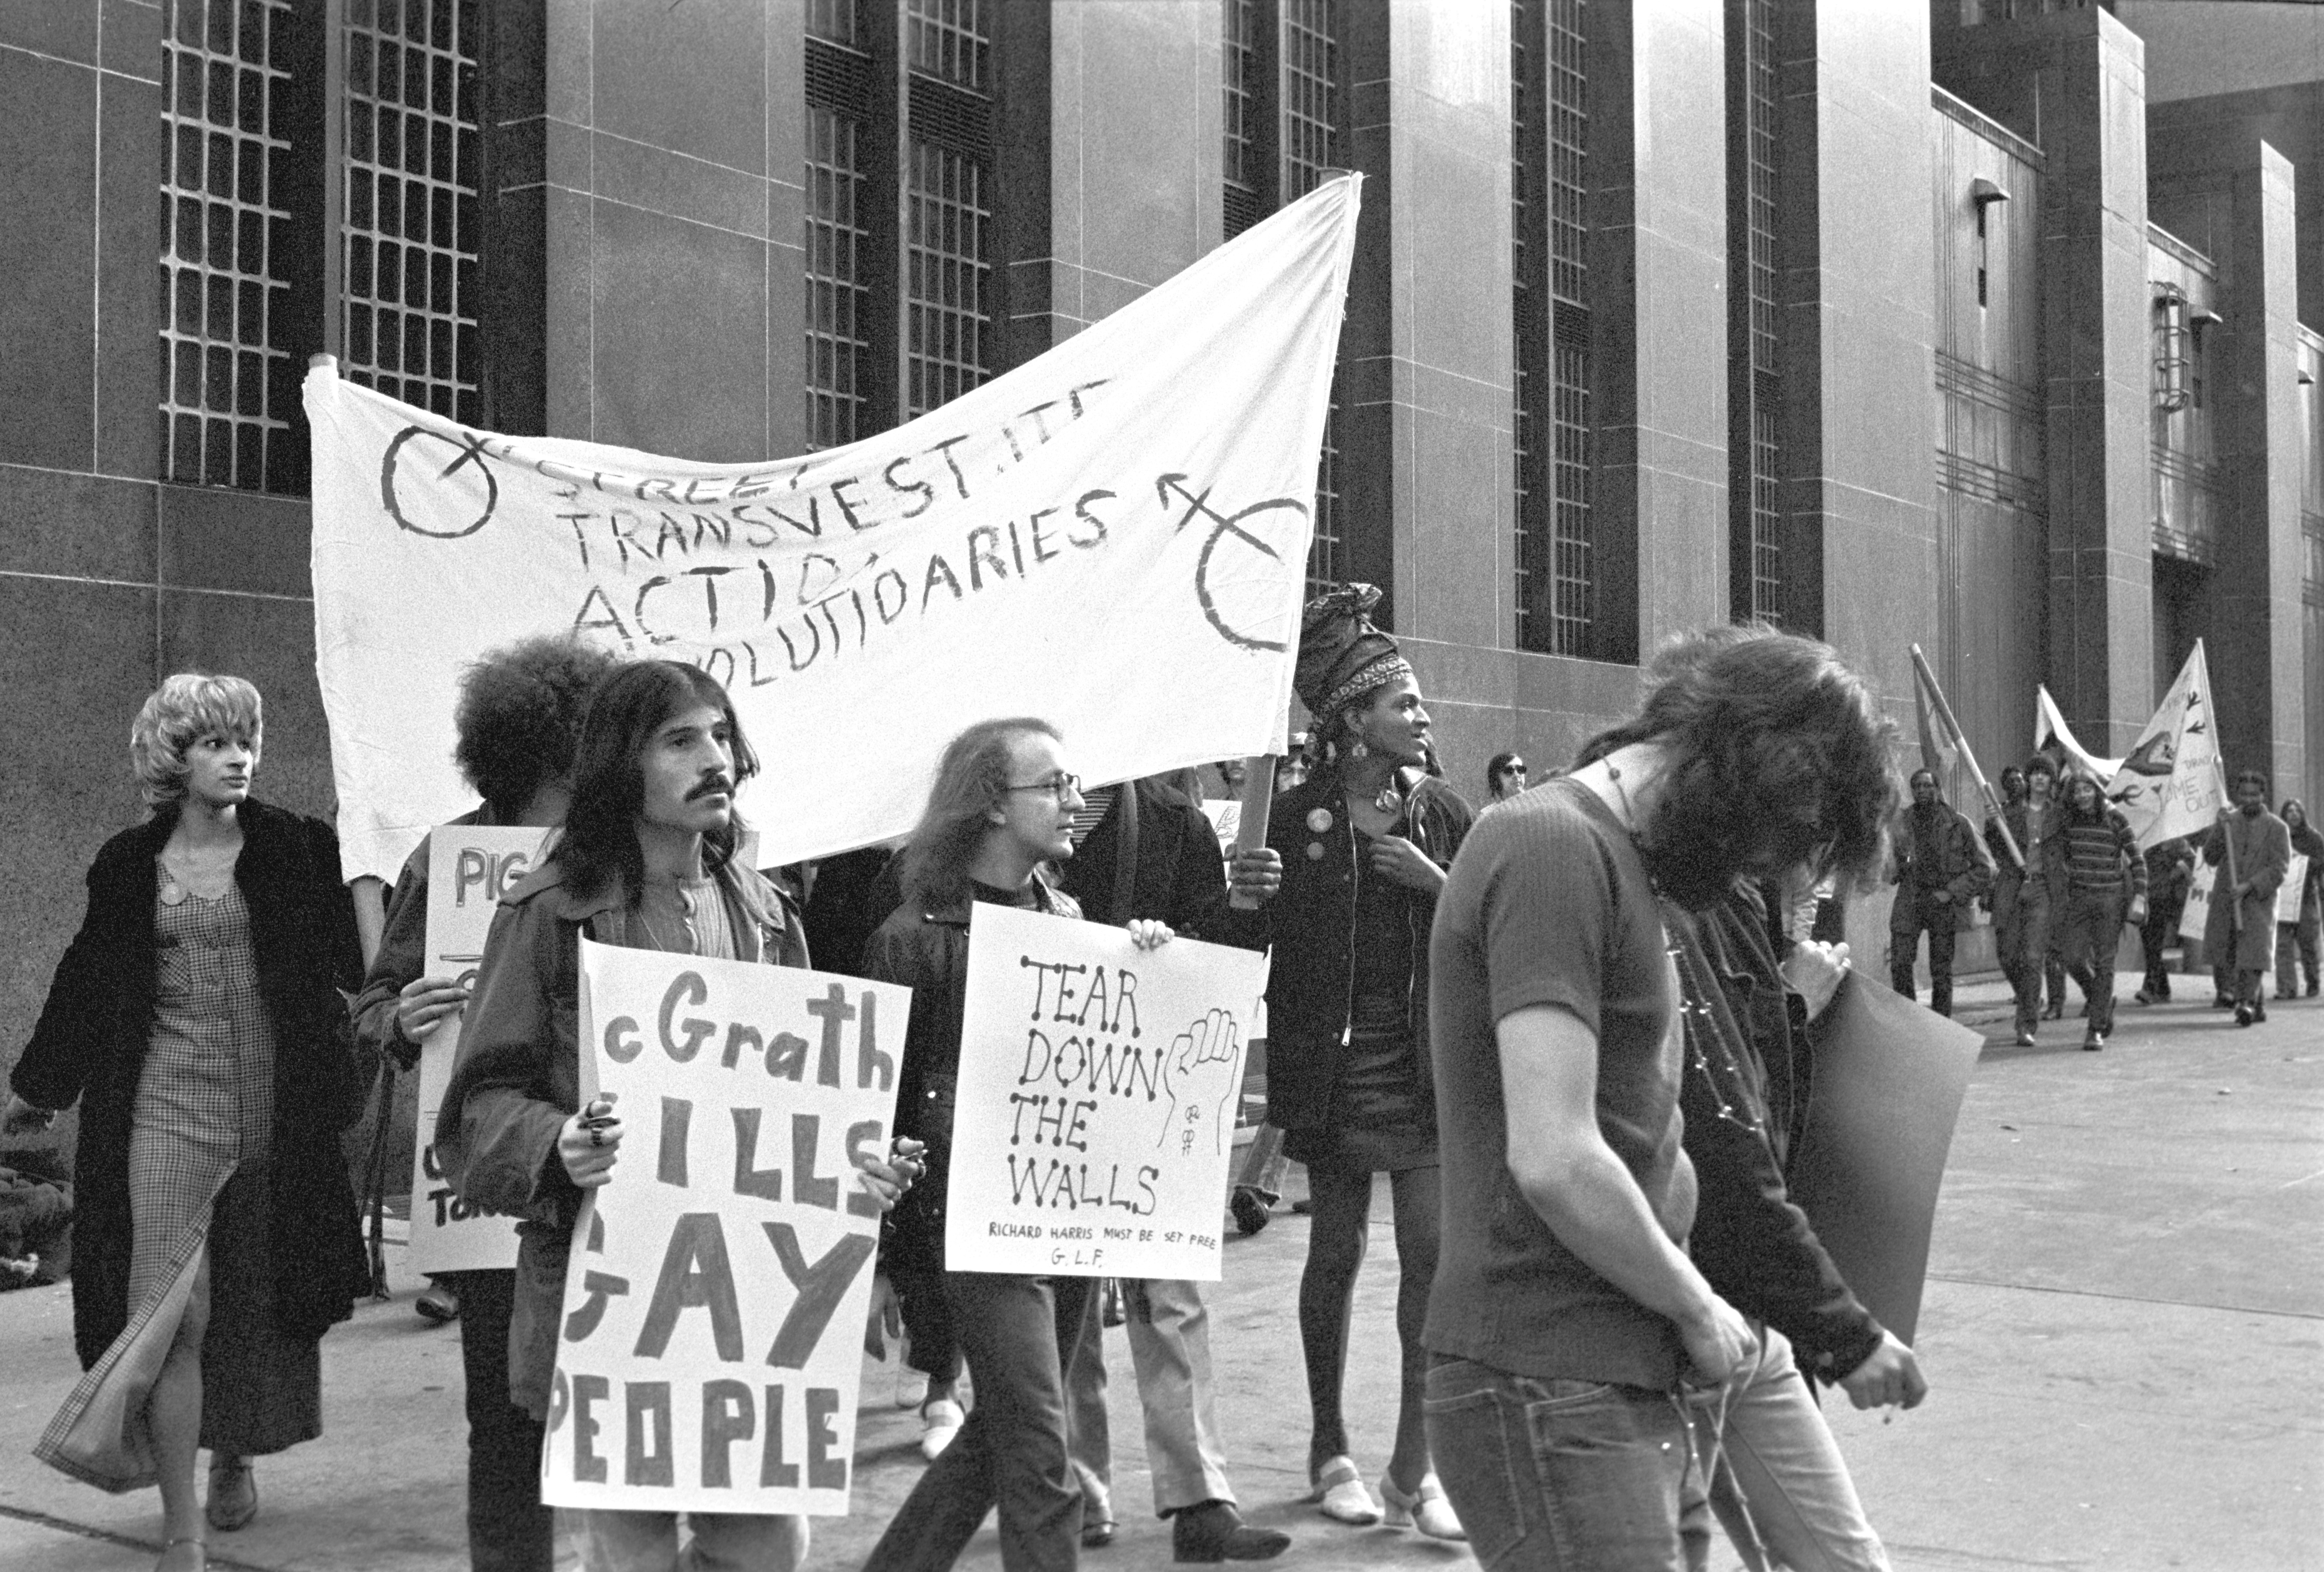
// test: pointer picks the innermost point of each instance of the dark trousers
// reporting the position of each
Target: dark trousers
(509, 1531)
(1012, 1451)
(2295, 941)
(2021, 929)
(2088, 936)
(2155, 935)
(1917, 911)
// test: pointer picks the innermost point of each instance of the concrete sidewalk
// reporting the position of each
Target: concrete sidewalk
(2121, 1328)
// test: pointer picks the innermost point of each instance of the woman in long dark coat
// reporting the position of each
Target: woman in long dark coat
(199, 1018)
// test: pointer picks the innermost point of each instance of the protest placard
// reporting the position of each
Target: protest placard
(1889, 1079)
(1099, 1085)
(470, 868)
(2198, 910)
(710, 1341)
(2288, 893)
(1114, 534)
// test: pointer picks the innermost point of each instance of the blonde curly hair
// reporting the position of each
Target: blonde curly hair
(185, 709)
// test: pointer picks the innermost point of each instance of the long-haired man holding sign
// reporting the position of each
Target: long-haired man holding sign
(1003, 806)
(646, 861)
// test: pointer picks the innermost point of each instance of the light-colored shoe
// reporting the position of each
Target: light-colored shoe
(1340, 1491)
(183, 1555)
(1425, 1509)
(940, 1421)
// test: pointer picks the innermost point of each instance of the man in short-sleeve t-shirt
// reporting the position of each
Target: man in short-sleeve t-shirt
(1552, 906)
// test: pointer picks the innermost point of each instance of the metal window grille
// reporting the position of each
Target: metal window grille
(837, 303)
(1522, 307)
(1311, 112)
(1239, 28)
(1765, 521)
(834, 22)
(412, 226)
(1572, 602)
(947, 218)
(951, 40)
(221, 162)
(1311, 94)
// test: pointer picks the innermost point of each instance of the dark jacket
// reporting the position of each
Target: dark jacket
(1177, 873)
(1311, 923)
(400, 959)
(91, 1040)
(2047, 864)
(517, 1079)
(1745, 1096)
(1947, 858)
(925, 948)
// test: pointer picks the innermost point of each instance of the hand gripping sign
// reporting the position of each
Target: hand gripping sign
(1098, 1089)
(709, 1343)
(470, 868)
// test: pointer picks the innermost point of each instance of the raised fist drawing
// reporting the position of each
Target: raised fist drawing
(1203, 1069)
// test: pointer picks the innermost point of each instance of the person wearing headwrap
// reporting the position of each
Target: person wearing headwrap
(1348, 886)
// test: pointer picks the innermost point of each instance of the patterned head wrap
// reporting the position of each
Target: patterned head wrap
(1343, 656)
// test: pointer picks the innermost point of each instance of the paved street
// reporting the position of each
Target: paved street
(2121, 1328)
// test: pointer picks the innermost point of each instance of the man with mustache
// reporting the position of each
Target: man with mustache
(648, 861)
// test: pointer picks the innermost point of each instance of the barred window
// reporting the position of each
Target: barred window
(837, 337)
(1239, 60)
(948, 216)
(1755, 583)
(411, 226)
(1312, 106)
(951, 40)
(1525, 308)
(225, 389)
(1572, 601)
(834, 22)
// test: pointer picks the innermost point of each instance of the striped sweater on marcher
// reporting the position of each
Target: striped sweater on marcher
(2097, 851)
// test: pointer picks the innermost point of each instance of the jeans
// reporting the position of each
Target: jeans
(1916, 910)
(2021, 931)
(2295, 941)
(1555, 1475)
(1777, 1481)
(1012, 1452)
(723, 1541)
(1169, 1334)
(2089, 936)
(509, 1531)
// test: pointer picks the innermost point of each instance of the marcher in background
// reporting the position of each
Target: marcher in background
(1939, 872)
(2255, 846)
(646, 861)
(1565, 1312)
(2105, 886)
(1150, 854)
(2170, 871)
(1002, 806)
(2026, 900)
(2297, 939)
(1505, 776)
(199, 1018)
(1361, 858)
(516, 725)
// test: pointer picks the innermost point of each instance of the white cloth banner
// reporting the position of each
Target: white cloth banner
(469, 866)
(1112, 535)
(1099, 1087)
(2197, 912)
(2172, 784)
(711, 1340)
(2049, 724)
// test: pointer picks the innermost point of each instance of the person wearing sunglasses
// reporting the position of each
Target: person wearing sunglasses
(1506, 776)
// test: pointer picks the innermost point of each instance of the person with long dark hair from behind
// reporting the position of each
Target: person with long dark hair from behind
(199, 1020)
(515, 727)
(1348, 884)
(648, 861)
(1566, 1313)
(1002, 807)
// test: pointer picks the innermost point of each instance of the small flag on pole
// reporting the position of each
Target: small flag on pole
(1942, 745)
(2050, 726)
(2172, 783)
